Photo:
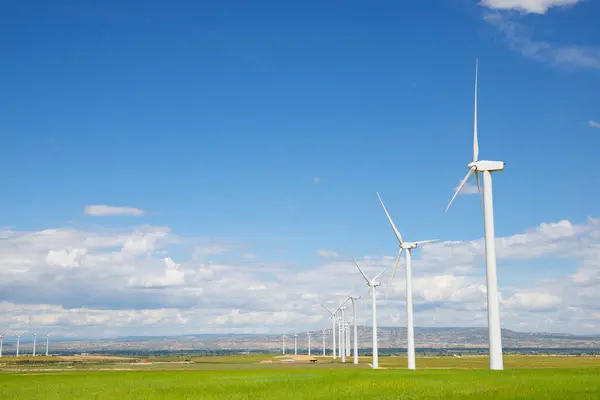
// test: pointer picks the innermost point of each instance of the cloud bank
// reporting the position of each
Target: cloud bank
(528, 6)
(104, 210)
(149, 280)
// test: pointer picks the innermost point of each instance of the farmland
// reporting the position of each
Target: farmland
(245, 377)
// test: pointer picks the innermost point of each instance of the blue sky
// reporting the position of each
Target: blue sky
(272, 124)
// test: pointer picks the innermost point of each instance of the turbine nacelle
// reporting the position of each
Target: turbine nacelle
(485, 165)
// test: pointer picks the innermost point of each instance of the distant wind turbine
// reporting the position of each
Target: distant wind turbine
(372, 284)
(283, 344)
(18, 344)
(354, 323)
(347, 333)
(333, 320)
(486, 168)
(295, 344)
(2, 342)
(324, 331)
(47, 343)
(308, 334)
(409, 304)
(34, 343)
(342, 326)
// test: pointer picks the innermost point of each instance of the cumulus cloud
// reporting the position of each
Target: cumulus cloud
(104, 210)
(469, 188)
(328, 253)
(146, 279)
(594, 124)
(520, 39)
(528, 6)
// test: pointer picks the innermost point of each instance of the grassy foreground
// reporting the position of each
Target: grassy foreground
(244, 377)
(304, 384)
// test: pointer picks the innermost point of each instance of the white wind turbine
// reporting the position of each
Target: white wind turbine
(372, 284)
(308, 334)
(283, 344)
(295, 344)
(486, 168)
(408, 246)
(324, 332)
(34, 342)
(342, 328)
(347, 333)
(18, 344)
(333, 320)
(2, 342)
(353, 299)
(47, 343)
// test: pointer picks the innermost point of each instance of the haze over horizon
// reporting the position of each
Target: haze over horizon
(175, 167)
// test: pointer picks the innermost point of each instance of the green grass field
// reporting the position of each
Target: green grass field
(242, 377)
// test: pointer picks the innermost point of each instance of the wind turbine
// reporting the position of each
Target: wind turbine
(342, 328)
(2, 342)
(486, 168)
(283, 344)
(18, 344)
(324, 331)
(332, 314)
(308, 334)
(408, 246)
(34, 342)
(347, 333)
(295, 344)
(372, 284)
(47, 343)
(353, 299)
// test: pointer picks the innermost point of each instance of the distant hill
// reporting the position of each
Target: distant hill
(388, 337)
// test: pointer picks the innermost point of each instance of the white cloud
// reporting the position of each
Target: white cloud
(531, 300)
(328, 253)
(103, 210)
(528, 6)
(594, 124)
(64, 258)
(469, 188)
(520, 39)
(71, 282)
(317, 180)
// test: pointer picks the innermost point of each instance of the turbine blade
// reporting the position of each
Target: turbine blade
(394, 272)
(461, 186)
(361, 271)
(379, 274)
(475, 139)
(479, 188)
(396, 231)
(327, 308)
(426, 241)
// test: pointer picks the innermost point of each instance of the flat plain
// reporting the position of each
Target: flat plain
(245, 377)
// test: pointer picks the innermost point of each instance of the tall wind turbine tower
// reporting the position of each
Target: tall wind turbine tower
(295, 344)
(18, 344)
(308, 334)
(324, 332)
(410, 328)
(47, 343)
(486, 168)
(283, 344)
(2, 342)
(353, 299)
(333, 321)
(372, 284)
(347, 338)
(34, 343)
(342, 334)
